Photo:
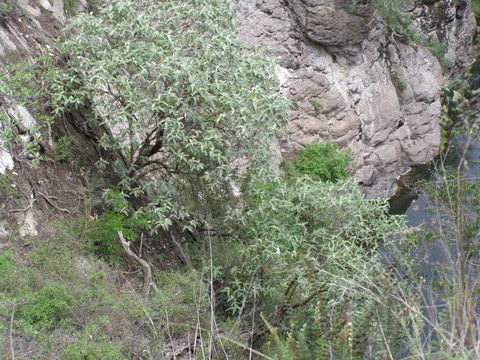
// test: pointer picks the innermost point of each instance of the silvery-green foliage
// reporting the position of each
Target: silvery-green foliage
(183, 102)
(309, 227)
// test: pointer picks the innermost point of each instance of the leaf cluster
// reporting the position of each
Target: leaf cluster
(175, 97)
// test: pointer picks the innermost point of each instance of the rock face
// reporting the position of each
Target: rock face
(353, 83)
(333, 23)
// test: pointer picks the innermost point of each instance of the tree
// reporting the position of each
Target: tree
(177, 97)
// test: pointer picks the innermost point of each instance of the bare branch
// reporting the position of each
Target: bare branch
(147, 270)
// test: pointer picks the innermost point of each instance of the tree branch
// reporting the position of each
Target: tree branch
(147, 270)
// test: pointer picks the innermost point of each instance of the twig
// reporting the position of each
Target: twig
(47, 199)
(12, 350)
(185, 257)
(147, 270)
(141, 245)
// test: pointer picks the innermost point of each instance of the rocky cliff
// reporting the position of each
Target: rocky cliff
(350, 77)
(354, 82)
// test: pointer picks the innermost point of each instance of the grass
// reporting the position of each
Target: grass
(60, 300)
(399, 25)
(52, 289)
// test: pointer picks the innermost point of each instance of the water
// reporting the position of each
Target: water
(414, 204)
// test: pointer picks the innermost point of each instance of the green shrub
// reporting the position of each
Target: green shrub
(8, 190)
(54, 261)
(7, 266)
(47, 307)
(183, 300)
(6, 7)
(317, 105)
(7, 263)
(102, 235)
(94, 344)
(62, 148)
(197, 102)
(392, 12)
(68, 4)
(476, 8)
(323, 162)
(438, 49)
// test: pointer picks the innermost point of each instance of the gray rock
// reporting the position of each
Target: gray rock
(333, 22)
(6, 161)
(24, 121)
(353, 84)
(27, 224)
(366, 175)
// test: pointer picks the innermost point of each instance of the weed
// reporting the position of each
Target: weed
(476, 9)
(46, 308)
(401, 84)
(317, 105)
(60, 269)
(323, 162)
(8, 190)
(93, 344)
(182, 300)
(438, 49)
(399, 24)
(7, 265)
(6, 7)
(102, 235)
(62, 148)
(68, 4)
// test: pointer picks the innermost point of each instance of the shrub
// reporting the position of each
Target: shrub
(62, 148)
(182, 301)
(93, 344)
(6, 7)
(300, 229)
(392, 12)
(437, 49)
(173, 102)
(323, 162)
(7, 266)
(102, 234)
(47, 307)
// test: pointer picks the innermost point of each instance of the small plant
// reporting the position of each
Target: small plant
(392, 12)
(6, 7)
(476, 9)
(47, 307)
(317, 105)
(438, 49)
(401, 84)
(7, 188)
(399, 24)
(102, 235)
(62, 148)
(93, 344)
(323, 162)
(68, 4)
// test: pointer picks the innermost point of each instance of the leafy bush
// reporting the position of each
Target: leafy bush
(323, 162)
(299, 229)
(93, 344)
(392, 12)
(476, 9)
(6, 7)
(7, 265)
(438, 49)
(399, 24)
(102, 234)
(62, 148)
(29, 82)
(173, 102)
(47, 307)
